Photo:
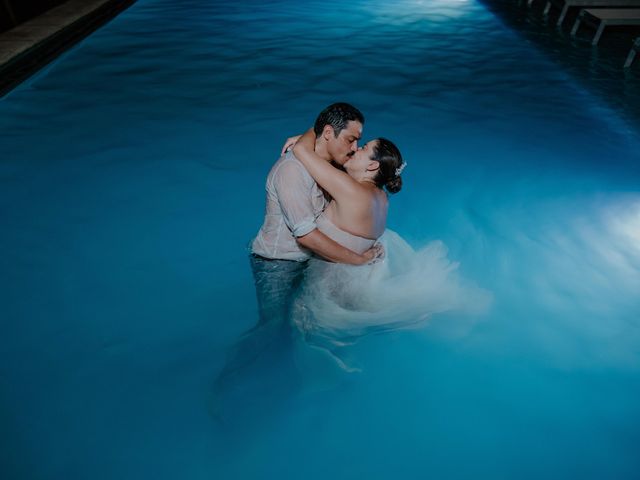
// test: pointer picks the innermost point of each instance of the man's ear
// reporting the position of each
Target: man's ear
(373, 166)
(327, 132)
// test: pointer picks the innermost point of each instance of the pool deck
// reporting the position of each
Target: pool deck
(31, 45)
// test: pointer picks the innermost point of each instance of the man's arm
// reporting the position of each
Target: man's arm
(294, 196)
(327, 248)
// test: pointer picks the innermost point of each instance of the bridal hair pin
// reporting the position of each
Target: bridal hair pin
(400, 169)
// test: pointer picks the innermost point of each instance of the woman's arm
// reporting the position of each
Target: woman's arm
(336, 182)
(289, 142)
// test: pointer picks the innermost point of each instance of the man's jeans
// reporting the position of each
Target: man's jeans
(277, 283)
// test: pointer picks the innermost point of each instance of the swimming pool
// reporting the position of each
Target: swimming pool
(132, 176)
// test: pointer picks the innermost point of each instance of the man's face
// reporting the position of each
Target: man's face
(346, 144)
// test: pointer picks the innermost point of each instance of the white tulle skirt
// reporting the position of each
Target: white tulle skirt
(340, 303)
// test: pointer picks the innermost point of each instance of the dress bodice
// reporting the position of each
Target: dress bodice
(346, 239)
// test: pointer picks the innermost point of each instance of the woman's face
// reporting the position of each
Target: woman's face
(360, 160)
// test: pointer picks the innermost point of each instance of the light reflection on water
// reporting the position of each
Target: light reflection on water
(128, 194)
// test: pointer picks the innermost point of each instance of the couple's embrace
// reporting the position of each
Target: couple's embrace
(326, 269)
(326, 205)
(325, 195)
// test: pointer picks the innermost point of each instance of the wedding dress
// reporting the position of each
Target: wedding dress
(338, 303)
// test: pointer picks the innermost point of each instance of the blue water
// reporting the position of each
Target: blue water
(131, 179)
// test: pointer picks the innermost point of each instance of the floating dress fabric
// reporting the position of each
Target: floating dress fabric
(340, 303)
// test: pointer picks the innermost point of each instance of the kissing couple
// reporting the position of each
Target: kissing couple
(326, 201)
(327, 271)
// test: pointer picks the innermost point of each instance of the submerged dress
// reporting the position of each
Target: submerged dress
(338, 303)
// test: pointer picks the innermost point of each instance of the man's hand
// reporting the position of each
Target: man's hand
(290, 142)
(330, 250)
(374, 254)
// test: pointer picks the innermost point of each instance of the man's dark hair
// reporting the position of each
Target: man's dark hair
(337, 115)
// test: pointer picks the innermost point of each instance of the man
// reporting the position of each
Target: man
(289, 236)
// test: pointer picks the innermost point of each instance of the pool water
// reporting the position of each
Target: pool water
(132, 178)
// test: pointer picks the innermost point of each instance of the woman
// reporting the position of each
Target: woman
(356, 216)
(340, 303)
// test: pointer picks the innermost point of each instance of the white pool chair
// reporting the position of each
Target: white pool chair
(564, 5)
(600, 18)
(632, 53)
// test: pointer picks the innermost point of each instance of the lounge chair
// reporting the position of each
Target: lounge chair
(566, 4)
(602, 17)
(632, 53)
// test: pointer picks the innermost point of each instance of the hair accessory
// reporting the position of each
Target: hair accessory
(400, 169)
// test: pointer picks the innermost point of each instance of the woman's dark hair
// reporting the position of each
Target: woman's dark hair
(390, 160)
(337, 115)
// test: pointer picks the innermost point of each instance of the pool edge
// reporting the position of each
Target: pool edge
(30, 46)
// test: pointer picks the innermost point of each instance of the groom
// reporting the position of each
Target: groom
(289, 235)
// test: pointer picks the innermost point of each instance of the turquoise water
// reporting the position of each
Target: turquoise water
(131, 179)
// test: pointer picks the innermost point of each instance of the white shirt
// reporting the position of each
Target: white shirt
(294, 202)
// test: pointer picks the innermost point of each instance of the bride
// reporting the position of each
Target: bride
(356, 216)
(340, 303)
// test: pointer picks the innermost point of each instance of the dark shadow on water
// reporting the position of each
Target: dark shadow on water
(258, 377)
(266, 373)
